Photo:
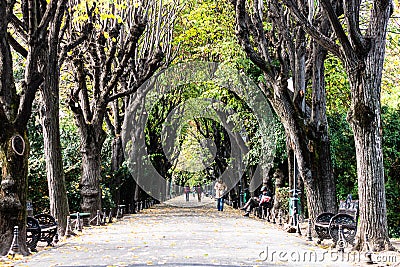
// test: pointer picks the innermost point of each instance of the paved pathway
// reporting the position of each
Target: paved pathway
(195, 235)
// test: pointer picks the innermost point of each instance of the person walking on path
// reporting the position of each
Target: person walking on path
(187, 192)
(220, 189)
(199, 191)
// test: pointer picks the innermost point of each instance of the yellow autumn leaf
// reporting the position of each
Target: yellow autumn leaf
(103, 16)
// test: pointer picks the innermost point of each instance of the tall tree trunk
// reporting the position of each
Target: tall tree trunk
(283, 106)
(117, 158)
(91, 144)
(365, 119)
(52, 150)
(136, 195)
(365, 74)
(370, 172)
(117, 150)
(13, 189)
(319, 144)
(49, 112)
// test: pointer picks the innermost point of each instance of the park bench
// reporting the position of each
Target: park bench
(41, 227)
(327, 224)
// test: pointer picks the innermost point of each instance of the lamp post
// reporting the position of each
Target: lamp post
(240, 194)
(294, 199)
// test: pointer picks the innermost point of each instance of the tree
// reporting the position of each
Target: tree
(362, 52)
(50, 61)
(128, 42)
(49, 113)
(158, 35)
(16, 106)
(277, 46)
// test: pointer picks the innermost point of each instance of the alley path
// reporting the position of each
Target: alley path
(185, 236)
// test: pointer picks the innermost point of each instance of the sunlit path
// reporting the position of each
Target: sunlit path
(180, 201)
(171, 236)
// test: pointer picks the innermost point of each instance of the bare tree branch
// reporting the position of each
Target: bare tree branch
(19, 27)
(338, 29)
(135, 86)
(48, 16)
(136, 32)
(17, 47)
(262, 42)
(352, 14)
(31, 20)
(79, 105)
(311, 30)
(75, 40)
(242, 32)
(26, 100)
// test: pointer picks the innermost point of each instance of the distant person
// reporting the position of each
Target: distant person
(263, 200)
(187, 192)
(220, 190)
(199, 191)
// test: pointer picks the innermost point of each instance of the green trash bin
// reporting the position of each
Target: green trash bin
(291, 205)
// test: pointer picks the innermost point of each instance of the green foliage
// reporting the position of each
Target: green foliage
(190, 144)
(337, 86)
(37, 182)
(391, 156)
(283, 195)
(391, 77)
(106, 182)
(343, 155)
(205, 31)
(280, 150)
(72, 161)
